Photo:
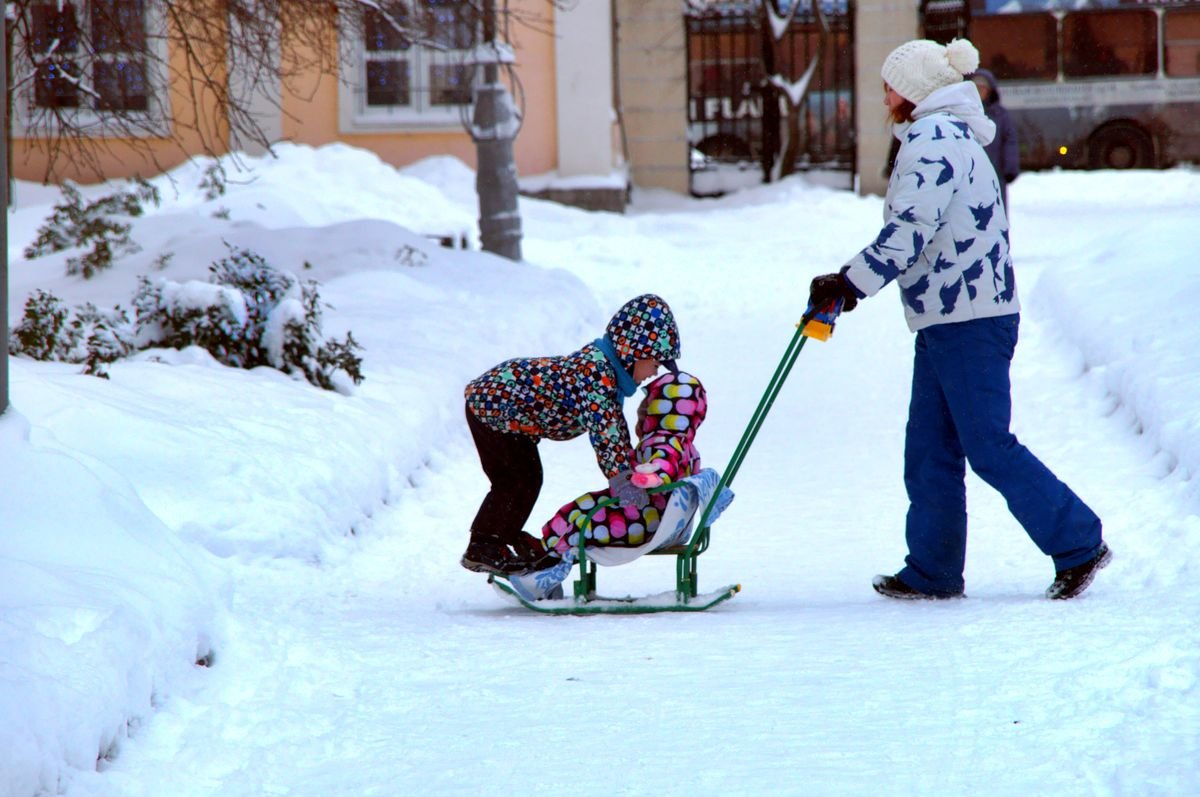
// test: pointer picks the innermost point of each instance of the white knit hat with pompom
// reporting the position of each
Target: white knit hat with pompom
(917, 68)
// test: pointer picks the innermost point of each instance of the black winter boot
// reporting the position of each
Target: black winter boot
(489, 555)
(526, 547)
(893, 587)
(530, 555)
(1071, 582)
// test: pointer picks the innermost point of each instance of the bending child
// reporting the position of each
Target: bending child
(674, 407)
(514, 405)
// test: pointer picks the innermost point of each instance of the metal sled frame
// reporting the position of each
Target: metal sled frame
(686, 597)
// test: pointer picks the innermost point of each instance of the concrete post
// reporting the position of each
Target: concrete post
(880, 26)
(652, 67)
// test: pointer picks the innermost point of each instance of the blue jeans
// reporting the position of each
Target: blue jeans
(959, 413)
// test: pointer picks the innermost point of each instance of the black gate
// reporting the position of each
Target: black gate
(743, 127)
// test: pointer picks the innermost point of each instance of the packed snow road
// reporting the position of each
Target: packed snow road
(391, 671)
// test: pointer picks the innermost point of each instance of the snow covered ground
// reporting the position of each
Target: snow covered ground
(304, 544)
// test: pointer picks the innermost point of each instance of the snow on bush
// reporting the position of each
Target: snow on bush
(84, 334)
(76, 225)
(247, 315)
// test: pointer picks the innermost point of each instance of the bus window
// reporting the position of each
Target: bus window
(1181, 38)
(1119, 42)
(1017, 46)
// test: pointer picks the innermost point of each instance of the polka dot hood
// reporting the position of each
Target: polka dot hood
(675, 404)
(644, 328)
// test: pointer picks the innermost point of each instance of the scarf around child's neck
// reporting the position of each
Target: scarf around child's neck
(626, 387)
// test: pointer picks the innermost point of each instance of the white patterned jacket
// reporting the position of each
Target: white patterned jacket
(945, 234)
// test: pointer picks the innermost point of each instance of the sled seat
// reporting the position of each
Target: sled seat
(703, 494)
(687, 578)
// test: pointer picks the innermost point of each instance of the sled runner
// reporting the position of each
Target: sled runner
(706, 493)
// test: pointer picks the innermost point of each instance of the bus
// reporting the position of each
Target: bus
(1104, 87)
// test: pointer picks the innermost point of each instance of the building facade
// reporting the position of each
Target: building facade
(602, 88)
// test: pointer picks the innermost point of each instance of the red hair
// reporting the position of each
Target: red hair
(903, 112)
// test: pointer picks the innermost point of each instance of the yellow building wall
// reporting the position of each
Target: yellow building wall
(116, 158)
(310, 116)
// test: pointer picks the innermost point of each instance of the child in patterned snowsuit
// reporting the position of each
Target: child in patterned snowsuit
(511, 407)
(674, 407)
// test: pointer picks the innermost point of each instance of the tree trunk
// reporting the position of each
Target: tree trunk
(770, 97)
(496, 175)
(493, 128)
(791, 144)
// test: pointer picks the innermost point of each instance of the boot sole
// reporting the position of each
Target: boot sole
(480, 567)
(905, 595)
(908, 596)
(492, 570)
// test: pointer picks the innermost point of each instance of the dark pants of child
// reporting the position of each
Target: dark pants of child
(959, 413)
(512, 464)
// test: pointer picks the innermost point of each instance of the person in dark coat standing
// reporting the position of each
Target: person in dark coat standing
(1003, 151)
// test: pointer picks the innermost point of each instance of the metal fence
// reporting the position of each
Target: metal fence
(737, 124)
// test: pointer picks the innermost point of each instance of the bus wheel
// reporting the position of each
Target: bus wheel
(1121, 147)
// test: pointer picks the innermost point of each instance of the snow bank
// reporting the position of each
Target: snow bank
(1128, 321)
(101, 608)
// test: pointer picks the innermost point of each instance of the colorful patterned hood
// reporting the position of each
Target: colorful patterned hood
(675, 404)
(644, 328)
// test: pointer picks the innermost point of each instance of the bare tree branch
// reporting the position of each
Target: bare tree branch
(789, 92)
(93, 82)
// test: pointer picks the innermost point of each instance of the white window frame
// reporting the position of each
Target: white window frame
(30, 119)
(356, 116)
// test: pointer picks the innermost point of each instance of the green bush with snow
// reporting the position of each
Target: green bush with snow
(76, 225)
(249, 314)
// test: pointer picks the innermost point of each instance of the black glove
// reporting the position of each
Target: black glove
(626, 492)
(828, 288)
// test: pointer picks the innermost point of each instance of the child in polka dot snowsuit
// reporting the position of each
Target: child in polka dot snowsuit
(513, 406)
(675, 405)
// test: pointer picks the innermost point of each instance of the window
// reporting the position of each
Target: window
(56, 39)
(1017, 46)
(944, 20)
(1099, 43)
(119, 72)
(1182, 42)
(100, 66)
(409, 79)
(387, 63)
(91, 59)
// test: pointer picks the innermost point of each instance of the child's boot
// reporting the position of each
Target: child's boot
(528, 550)
(489, 555)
